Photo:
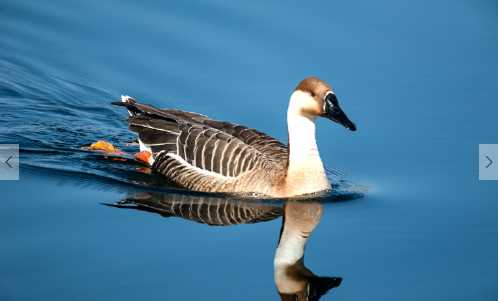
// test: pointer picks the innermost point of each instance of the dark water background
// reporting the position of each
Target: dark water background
(418, 78)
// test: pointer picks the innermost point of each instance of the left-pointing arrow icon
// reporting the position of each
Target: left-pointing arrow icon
(7, 161)
(490, 162)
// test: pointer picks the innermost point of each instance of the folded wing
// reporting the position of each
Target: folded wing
(193, 150)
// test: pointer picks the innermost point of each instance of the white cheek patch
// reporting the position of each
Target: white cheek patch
(300, 101)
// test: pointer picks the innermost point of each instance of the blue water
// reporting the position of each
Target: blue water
(410, 220)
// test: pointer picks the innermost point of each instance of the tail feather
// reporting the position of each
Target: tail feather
(157, 129)
(129, 103)
(135, 108)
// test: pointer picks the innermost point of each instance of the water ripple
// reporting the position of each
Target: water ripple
(53, 119)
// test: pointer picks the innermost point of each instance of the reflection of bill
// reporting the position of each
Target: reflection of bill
(293, 279)
(488, 168)
(9, 161)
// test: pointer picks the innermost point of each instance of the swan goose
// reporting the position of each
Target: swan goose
(207, 155)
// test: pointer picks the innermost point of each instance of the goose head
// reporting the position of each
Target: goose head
(313, 98)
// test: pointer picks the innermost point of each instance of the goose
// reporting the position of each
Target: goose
(206, 155)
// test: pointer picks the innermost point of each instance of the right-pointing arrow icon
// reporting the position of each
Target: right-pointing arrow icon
(490, 162)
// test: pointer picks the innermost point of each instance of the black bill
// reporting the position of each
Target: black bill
(334, 112)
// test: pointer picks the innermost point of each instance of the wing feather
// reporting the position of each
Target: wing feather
(191, 149)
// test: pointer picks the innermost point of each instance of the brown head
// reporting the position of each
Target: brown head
(315, 98)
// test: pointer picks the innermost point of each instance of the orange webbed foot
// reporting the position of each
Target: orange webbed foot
(105, 147)
(144, 157)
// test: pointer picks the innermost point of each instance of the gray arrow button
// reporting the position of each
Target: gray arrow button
(490, 162)
(8, 159)
(9, 162)
(488, 170)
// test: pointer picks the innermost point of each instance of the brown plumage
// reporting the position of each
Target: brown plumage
(315, 87)
(202, 154)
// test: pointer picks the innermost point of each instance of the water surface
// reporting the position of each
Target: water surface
(419, 80)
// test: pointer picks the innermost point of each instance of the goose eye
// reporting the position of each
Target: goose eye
(330, 97)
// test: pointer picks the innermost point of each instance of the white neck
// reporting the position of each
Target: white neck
(305, 164)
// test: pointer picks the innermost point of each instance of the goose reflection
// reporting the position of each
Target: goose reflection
(294, 281)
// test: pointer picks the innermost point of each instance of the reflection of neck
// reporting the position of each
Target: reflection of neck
(299, 220)
(290, 249)
(289, 261)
